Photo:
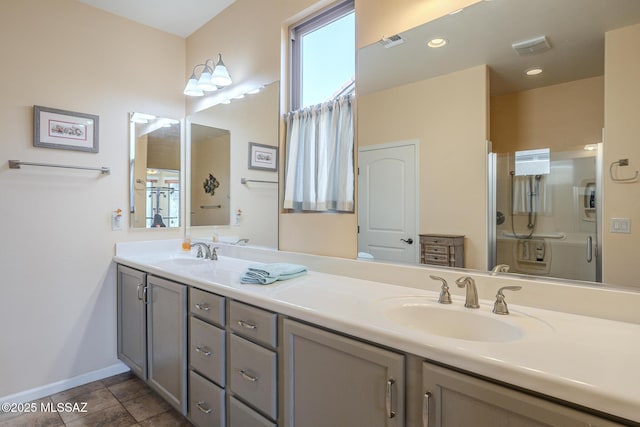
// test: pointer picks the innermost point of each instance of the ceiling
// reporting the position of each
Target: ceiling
(483, 34)
(179, 17)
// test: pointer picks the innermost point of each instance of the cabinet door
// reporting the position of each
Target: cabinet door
(167, 343)
(331, 380)
(453, 399)
(132, 320)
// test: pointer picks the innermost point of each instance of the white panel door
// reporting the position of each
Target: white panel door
(387, 202)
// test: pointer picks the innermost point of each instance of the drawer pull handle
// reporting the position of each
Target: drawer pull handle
(202, 408)
(203, 351)
(425, 409)
(247, 377)
(247, 324)
(203, 307)
(389, 398)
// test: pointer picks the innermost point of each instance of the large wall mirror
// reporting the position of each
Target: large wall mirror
(227, 199)
(461, 112)
(155, 171)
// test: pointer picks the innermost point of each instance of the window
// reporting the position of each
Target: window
(323, 56)
(319, 129)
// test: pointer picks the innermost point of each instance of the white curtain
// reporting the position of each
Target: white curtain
(523, 186)
(319, 142)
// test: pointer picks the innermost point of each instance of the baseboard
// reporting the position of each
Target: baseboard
(57, 387)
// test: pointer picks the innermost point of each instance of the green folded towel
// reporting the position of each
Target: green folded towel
(264, 274)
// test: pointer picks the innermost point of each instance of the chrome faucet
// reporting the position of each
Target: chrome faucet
(445, 296)
(241, 242)
(209, 252)
(471, 300)
(500, 306)
(500, 268)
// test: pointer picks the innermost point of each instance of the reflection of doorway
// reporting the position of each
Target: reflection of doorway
(388, 201)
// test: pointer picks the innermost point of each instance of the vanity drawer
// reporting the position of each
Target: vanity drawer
(207, 306)
(437, 259)
(253, 323)
(436, 249)
(437, 240)
(252, 374)
(206, 402)
(240, 415)
(207, 350)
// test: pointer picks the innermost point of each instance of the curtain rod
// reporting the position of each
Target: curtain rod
(15, 164)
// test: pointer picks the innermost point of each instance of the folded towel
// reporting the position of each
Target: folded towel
(265, 274)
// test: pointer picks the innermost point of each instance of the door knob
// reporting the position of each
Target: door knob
(408, 241)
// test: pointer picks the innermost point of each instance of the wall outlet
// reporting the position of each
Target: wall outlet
(620, 225)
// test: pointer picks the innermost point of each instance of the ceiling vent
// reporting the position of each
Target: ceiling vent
(534, 45)
(392, 41)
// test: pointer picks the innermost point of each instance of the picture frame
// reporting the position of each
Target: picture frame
(66, 130)
(263, 157)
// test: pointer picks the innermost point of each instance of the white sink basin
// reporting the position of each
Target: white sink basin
(185, 260)
(457, 322)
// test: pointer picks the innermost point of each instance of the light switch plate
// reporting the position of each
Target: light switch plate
(620, 225)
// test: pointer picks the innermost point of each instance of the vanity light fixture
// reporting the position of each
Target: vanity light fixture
(256, 90)
(533, 71)
(142, 118)
(211, 78)
(437, 42)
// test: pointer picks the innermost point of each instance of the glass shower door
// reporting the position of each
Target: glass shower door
(546, 223)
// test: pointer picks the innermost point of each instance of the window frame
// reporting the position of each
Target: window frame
(299, 30)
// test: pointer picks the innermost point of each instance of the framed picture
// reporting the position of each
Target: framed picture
(67, 130)
(263, 157)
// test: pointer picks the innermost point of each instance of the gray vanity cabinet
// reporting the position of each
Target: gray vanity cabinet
(453, 399)
(152, 331)
(132, 319)
(167, 340)
(331, 380)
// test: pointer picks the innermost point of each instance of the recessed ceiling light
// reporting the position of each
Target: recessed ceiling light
(534, 71)
(437, 42)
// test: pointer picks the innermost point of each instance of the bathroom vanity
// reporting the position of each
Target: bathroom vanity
(327, 350)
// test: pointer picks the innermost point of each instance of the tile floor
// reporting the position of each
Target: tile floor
(118, 401)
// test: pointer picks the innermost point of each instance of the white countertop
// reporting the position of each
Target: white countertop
(589, 361)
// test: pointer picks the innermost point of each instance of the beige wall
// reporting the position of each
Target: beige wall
(622, 130)
(57, 299)
(252, 119)
(210, 156)
(448, 115)
(560, 117)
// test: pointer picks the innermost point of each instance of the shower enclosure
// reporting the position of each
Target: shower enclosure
(546, 212)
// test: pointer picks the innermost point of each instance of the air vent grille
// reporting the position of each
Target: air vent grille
(531, 46)
(392, 41)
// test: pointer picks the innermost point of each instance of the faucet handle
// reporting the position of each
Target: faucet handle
(445, 296)
(199, 254)
(213, 252)
(500, 306)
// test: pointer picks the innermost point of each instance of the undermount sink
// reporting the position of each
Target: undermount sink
(185, 260)
(458, 322)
